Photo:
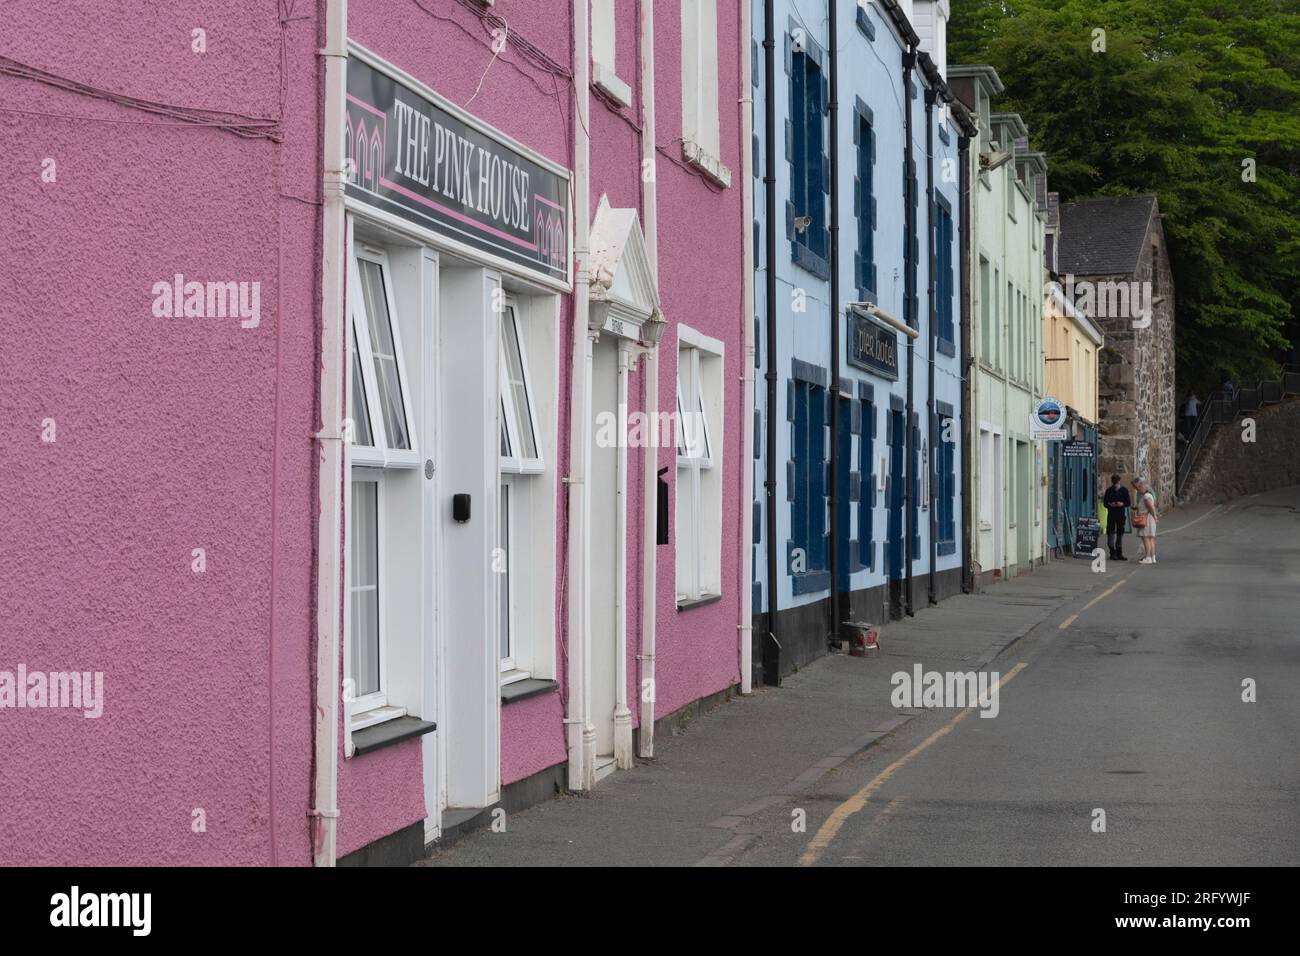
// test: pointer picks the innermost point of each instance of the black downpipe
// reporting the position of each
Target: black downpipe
(771, 641)
(967, 372)
(909, 290)
(835, 325)
(933, 314)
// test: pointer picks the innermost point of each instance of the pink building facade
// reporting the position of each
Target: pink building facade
(387, 461)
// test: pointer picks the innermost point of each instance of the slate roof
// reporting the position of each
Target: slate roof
(1104, 236)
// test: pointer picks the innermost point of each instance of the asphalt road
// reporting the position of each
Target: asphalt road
(1129, 701)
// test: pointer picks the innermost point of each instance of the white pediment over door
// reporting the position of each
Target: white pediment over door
(622, 284)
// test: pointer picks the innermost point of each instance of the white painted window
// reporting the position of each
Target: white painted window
(520, 449)
(604, 52)
(701, 134)
(987, 488)
(382, 444)
(521, 461)
(381, 397)
(698, 517)
(366, 657)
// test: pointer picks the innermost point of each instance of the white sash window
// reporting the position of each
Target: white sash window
(521, 459)
(698, 510)
(382, 438)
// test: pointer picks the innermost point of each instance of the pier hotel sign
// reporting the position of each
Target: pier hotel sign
(872, 346)
(417, 157)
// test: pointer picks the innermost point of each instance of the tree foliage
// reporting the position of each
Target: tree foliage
(1183, 94)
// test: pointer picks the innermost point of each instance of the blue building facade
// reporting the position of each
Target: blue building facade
(858, 256)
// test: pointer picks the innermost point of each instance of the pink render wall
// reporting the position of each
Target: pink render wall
(172, 434)
(175, 434)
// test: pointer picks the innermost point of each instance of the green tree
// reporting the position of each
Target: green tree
(1182, 95)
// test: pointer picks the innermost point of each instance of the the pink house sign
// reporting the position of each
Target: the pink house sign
(417, 157)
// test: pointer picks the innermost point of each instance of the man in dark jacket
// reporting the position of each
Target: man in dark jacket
(1117, 503)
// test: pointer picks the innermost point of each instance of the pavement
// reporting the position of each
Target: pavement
(1121, 692)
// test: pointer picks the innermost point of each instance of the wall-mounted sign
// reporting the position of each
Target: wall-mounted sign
(1047, 421)
(627, 330)
(1076, 449)
(419, 158)
(872, 346)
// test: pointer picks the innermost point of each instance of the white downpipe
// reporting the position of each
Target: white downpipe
(622, 716)
(744, 586)
(650, 365)
(329, 439)
(582, 735)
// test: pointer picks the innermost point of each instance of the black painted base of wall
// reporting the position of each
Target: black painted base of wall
(802, 635)
(946, 584)
(678, 720)
(397, 849)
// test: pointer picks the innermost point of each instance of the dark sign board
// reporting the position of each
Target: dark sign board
(1076, 449)
(417, 159)
(1086, 535)
(872, 346)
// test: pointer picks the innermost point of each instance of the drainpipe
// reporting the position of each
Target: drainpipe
(650, 366)
(909, 290)
(745, 584)
(834, 501)
(582, 735)
(329, 532)
(933, 315)
(967, 369)
(622, 716)
(771, 641)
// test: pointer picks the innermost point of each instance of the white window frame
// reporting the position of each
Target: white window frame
(379, 454)
(695, 580)
(604, 52)
(515, 472)
(360, 707)
(508, 662)
(370, 462)
(987, 469)
(515, 463)
(701, 128)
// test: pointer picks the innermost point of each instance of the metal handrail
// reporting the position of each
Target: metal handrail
(1224, 407)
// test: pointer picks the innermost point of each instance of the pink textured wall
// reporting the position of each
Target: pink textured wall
(698, 650)
(172, 434)
(175, 434)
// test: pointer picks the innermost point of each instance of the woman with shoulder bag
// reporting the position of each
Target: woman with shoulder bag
(1144, 519)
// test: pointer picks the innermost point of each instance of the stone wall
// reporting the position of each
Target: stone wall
(1136, 404)
(1229, 467)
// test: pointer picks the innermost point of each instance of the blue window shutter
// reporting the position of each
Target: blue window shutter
(791, 398)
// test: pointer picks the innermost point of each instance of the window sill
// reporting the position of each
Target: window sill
(708, 164)
(376, 715)
(390, 732)
(519, 690)
(691, 603)
(607, 81)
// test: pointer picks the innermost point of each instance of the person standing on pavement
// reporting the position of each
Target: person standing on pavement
(1117, 503)
(1144, 519)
